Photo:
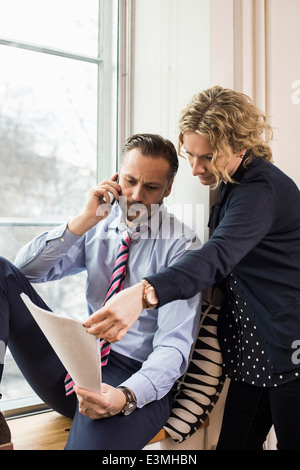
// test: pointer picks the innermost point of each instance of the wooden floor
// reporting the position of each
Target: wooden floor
(43, 431)
(49, 431)
(46, 431)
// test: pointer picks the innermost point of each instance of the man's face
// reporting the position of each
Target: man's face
(144, 181)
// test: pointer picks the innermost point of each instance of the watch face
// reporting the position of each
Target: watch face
(130, 409)
(151, 297)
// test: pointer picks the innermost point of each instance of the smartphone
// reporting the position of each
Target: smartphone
(111, 196)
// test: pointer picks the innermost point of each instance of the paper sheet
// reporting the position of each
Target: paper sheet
(78, 350)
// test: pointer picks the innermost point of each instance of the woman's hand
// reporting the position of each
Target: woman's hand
(108, 403)
(114, 320)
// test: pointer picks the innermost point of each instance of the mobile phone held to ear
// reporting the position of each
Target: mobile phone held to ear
(112, 199)
(111, 196)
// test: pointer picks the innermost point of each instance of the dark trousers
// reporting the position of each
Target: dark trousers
(250, 412)
(45, 374)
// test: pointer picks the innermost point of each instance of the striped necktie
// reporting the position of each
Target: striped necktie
(116, 285)
(117, 279)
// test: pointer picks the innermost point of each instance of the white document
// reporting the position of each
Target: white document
(78, 350)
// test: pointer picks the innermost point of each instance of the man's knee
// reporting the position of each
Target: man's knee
(6, 264)
(4, 267)
(10, 275)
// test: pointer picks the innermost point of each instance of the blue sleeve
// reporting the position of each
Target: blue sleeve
(52, 255)
(248, 217)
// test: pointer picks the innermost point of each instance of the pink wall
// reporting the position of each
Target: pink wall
(255, 48)
(283, 74)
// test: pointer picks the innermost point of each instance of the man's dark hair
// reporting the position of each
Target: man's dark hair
(155, 146)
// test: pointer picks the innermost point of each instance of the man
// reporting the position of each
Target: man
(154, 353)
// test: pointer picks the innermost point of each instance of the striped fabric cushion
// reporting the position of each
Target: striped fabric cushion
(198, 390)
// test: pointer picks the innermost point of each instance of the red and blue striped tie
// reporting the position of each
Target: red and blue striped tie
(116, 285)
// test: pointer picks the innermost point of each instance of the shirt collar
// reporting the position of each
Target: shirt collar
(118, 223)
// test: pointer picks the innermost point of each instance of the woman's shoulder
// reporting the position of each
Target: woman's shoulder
(263, 181)
(263, 170)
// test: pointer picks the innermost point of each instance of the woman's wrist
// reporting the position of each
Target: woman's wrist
(150, 298)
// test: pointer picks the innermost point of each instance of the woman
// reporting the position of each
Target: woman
(253, 255)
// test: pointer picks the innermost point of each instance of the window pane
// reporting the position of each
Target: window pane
(50, 119)
(13, 384)
(66, 296)
(63, 24)
(48, 140)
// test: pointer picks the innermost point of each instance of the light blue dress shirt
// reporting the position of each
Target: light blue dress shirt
(161, 338)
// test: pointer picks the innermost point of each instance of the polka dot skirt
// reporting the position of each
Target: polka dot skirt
(244, 355)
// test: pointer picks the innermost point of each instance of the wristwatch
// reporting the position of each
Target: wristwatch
(150, 296)
(130, 404)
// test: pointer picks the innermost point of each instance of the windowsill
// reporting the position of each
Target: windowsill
(22, 407)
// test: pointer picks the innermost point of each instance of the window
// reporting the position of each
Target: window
(58, 128)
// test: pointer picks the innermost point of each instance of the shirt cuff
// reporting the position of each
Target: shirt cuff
(61, 238)
(142, 389)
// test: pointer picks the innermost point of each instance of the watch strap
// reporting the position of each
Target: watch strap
(130, 398)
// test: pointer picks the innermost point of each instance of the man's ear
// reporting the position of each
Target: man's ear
(169, 188)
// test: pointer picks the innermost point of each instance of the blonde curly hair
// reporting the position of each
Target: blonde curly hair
(227, 118)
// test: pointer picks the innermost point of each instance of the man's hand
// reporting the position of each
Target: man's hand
(103, 405)
(98, 197)
(114, 320)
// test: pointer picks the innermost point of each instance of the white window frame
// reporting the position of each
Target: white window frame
(113, 110)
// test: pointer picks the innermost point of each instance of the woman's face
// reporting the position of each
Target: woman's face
(199, 153)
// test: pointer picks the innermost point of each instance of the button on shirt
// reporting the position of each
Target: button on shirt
(161, 338)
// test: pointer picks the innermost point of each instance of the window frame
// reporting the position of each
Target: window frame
(113, 119)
